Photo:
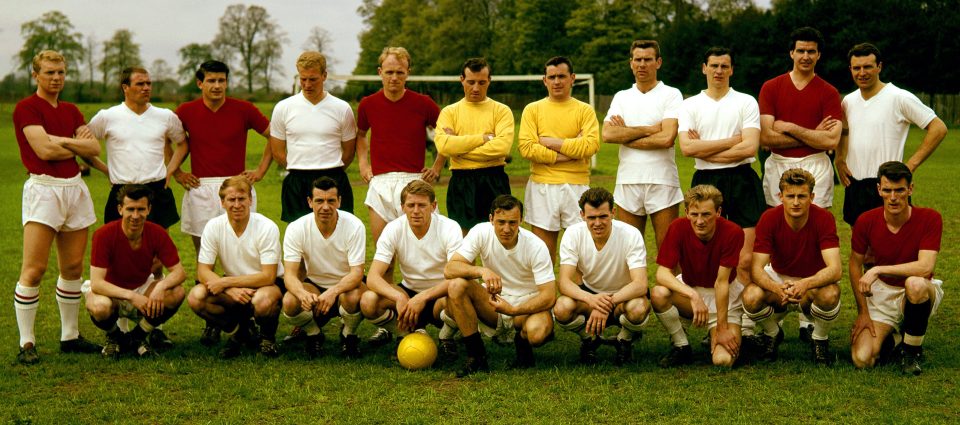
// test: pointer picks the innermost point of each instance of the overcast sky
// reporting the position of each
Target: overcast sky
(163, 27)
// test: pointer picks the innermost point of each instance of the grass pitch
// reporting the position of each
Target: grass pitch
(190, 384)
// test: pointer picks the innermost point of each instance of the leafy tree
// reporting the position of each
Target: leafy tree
(52, 31)
(250, 33)
(321, 41)
(191, 56)
(119, 52)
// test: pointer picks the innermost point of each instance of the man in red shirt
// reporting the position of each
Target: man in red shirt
(56, 203)
(122, 284)
(897, 296)
(707, 292)
(796, 263)
(216, 127)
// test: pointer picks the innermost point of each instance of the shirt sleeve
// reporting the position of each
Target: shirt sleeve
(930, 240)
(256, 120)
(588, 143)
(98, 125)
(684, 117)
(293, 243)
(668, 255)
(431, 111)
(175, 129)
(452, 238)
(278, 128)
(914, 110)
(209, 245)
(764, 233)
(166, 250)
(542, 263)
(99, 250)
(453, 145)
(569, 252)
(348, 125)
(750, 113)
(637, 257)
(859, 238)
(528, 141)
(362, 123)
(615, 108)
(357, 254)
(470, 247)
(766, 99)
(672, 110)
(828, 231)
(731, 246)
(387, 244)
(269, 246)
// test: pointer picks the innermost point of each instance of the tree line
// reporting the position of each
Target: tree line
(248, 39)
(917, 38)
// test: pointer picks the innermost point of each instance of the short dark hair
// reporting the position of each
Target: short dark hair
(864, 49)
(895, 171)
(475, 65)
(646, 44)
(556, 61)
(325, 183)
(806, 34)
(128, 72)
(134, 192)
(212, 66)
(718, 51)
(797, 177)
(505, 203)
(596, 197)
(418, 187)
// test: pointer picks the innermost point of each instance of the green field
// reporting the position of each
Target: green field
(190, 384)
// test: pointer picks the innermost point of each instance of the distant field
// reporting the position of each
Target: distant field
(190, 384)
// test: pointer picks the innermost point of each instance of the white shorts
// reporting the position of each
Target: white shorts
(383, 195)
(201, 204)
(817, 164)
(63, 204)
(886, 303)
(553, 206)
(504, 322)
(734, 302)
(644, 199)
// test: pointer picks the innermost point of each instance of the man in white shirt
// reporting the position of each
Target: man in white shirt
(878, 117)
(720, 129)
(138, 138)
(643, 121)
(331, 245)
(603, 278)
(518, 288)
(313, 134)
(247, 244)
(422, 242)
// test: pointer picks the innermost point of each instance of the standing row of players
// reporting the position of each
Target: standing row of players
(557, 134)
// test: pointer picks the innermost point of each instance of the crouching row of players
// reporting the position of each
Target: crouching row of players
(603, 278)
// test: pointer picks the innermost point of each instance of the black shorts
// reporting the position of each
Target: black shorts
(426, 316)
(298, 187)
(163, 209)
(470, 193)
(334, 310)
(861, 196)
(743, 200)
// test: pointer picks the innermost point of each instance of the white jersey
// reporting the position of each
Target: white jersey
(135, 142)
(879, 127)
(421, 260)
(608, 270)
(642, 166)
(522, 268)
(327, 260)
(314, 133)
(245, 254)
(719, 119)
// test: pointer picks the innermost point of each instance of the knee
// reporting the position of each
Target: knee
(197, 299)
(917, 289)
(564, 308)
(457, 288)
(291, 304)
(174, 297)
(32, 274)
(538, 331)
(368, 304)
(722, 358)
(828, 296)
(637, 310)
(862, 357)
(745, 262)
(660, 297)
(265, 301)
(99, 307)
(753, 298)
(71, 269)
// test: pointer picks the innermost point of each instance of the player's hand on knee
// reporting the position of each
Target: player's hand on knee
(215, 287)
(601, 302)
(240, 295)
(325, 301)
(701, 314)
(728, 340)
(308, 301)
(493, 281)
(411, 312)
(862, 323)
(596, 322)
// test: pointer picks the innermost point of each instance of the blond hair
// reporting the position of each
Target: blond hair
(701, 193)
(418, 187)
(401, 54)
(239, 183)
(49, 56)
(312, 60)
(797, 177)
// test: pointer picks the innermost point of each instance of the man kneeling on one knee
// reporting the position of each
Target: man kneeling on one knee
(122, 283)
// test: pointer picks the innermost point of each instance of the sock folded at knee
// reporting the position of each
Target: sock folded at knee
(671, 322)
(577, 325)
(628, 328)
(304, 320)
(26, 300)
(68, 299)
(351, 321)
(450, 326)
(915, 319)
(767, 320)
(823, 321)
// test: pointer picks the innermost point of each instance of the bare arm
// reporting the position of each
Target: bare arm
(825, 136)
(543, 301)
(635, 289)
(459, 267)
(53, 148)
(618, 132)
(746, 148)
(217, 283)
(265, 159)
(378, 284)
(363, 149)
(770, 138)
(278, 150)
(828, 275)
(692, 146)
(349, 148)
(840, 161)
(662, 139)
(936, 131)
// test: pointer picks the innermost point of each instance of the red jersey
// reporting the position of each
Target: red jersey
(921, 232)
(61, 121)
(126, 267)
(218, 140)
(806, 108)
(399, 139)
(796, 253)
(700, 261)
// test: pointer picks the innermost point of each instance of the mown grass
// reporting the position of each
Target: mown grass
(190, 384)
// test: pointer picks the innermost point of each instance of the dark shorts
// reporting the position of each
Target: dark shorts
(163, 209)
(426, 316)
(298, 186)
(334, 309)
(471, 192)
(861, 196)
(612, 318)
(743, 200)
